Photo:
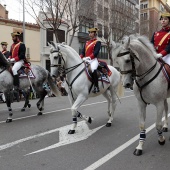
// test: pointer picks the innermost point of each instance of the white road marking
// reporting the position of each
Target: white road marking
(82, 133)
(25, 117)
(118, 150)
(8, 145)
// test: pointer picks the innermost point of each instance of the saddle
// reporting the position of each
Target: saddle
(103, 72)
(24, 71)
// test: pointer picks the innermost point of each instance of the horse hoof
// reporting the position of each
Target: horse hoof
(108, 124)
(29, 105)
(71, 131)
(8, 120)
(161, 143)
(137, 152)
(39, 114)
(165, 129)
(89, 120)
(23, 110)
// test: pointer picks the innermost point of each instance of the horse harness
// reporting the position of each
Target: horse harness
(134, 75)
(64, 71)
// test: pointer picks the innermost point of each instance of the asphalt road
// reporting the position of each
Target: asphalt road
(34, 142)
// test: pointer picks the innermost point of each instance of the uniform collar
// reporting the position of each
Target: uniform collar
(94, 39)
(166, 28)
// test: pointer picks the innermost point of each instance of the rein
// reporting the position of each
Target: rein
(134, 75)
(67, 70)
(4, 68)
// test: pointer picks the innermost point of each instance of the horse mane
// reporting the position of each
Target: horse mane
(145, 41)
(3, 61)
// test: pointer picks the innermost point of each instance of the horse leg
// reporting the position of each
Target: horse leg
(79, 101)
(108, 98)
(142, 116)
(165, 126)
(8, 103)
(27, 93)
(40, 103)
(160, 109)
(113, 91)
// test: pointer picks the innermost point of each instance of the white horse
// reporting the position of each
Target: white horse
(41, 76)
(77, 84)
(136, 58)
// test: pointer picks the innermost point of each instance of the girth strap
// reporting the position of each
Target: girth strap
(70, 86)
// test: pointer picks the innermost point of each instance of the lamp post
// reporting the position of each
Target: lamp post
(23, 22)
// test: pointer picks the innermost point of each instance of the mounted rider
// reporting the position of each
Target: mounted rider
(17, 56)
(91, 51)
(161, 39)
(4, 51)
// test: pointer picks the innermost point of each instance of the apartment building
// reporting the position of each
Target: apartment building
(114, 18)
(150, 11)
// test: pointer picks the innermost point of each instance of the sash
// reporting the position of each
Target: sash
(163, 39)
(15, 47)
(90, 45)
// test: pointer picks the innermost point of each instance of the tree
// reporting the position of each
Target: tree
(77, 13)
(119, 21)
(50, 15)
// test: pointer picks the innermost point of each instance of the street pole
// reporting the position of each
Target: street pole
(23, 22)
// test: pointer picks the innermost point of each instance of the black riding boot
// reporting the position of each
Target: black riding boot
(95, 79)
(16, 86)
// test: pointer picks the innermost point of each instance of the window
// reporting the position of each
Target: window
(49, 35)
(47, 65)
(103, 53)
(100, 30)
(61, 35)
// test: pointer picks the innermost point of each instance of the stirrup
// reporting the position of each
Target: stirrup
(96, 90)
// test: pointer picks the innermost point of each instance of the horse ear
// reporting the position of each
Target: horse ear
(126, 43)
(64, 43)
(113, 44)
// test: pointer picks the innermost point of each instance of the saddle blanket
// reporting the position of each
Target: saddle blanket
(29, 74)
(102, 78)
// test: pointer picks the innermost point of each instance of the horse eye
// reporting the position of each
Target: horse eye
(127, 61)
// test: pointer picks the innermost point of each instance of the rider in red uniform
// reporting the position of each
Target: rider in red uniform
(91, 51)
(17, 56)
(161, 39)
(4, 51)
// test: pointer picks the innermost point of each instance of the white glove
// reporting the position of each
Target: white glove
(12, 60)
(86, 58)
(158, 55)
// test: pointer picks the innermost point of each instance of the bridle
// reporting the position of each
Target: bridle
(141, 76)
(64, 71)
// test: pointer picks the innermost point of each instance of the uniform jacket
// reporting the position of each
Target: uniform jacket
(91, 49)
(164, 48)
(18, 51)
(6, 53)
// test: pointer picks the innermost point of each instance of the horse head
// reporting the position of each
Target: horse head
(55, 59)
(121, 55)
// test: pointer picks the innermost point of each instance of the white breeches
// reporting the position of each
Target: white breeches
(17, 66)
(94, 64)
(167, 59)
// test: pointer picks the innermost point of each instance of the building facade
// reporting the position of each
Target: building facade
(150, 11)
(114, 18)
(32, 35)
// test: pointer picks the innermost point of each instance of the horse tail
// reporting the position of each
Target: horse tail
(52, 85)
(120, 88)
